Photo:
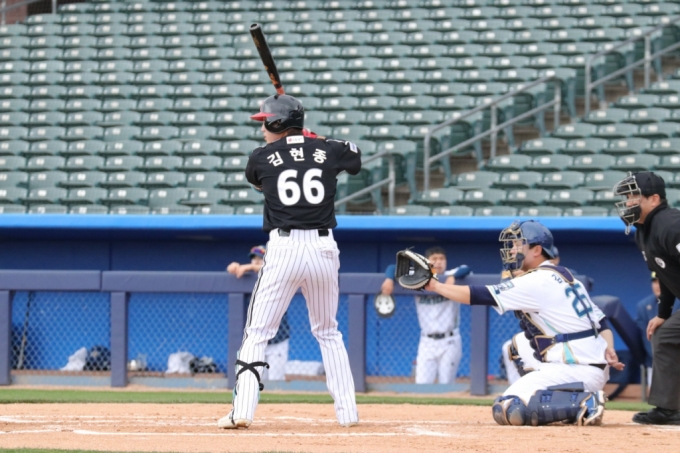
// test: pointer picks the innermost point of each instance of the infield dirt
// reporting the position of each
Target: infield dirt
(312, 428)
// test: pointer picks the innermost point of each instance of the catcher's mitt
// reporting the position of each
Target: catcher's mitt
(414, 271)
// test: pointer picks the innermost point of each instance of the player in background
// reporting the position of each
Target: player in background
(298, 177)
(276, 353)
(568, 331)
(657, 236)
(440, 348)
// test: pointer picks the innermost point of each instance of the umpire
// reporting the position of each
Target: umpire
(658, 238)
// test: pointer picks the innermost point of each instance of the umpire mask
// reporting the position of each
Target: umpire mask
(632, 188)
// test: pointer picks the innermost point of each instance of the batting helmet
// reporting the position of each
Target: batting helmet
(280, 113)
(519, 233)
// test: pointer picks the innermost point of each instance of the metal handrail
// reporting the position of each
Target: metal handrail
(390, 180)
(590, 85)
(4, 8)
(493, 130)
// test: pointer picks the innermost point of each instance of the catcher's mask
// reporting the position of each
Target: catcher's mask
(280, 113)
(517, 235)
(632, 188)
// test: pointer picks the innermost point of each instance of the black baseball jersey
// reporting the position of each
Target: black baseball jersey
(298, 177)
(658, 238)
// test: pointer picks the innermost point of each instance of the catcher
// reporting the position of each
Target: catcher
(569, 334)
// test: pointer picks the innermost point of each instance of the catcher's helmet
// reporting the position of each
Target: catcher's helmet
(519, 233)
(631, 188)
(280, 113)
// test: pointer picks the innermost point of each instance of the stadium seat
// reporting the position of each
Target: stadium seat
(47, 209)
(490, 211)
(586, 211)
(476, 180)
(550, 163)
(542, 146)
(669, 163)
(216, 210)
(664, 147)
(519, 180)
(88, 209)
(526, 197)
(540, 211)
(249, 210)
(483, 197)
(13, 179)
(167, 197)
(569, 198)
(562, 180)
(159, 148)
(12, 195)
(439, 197)
(627, 146)
(208, 179)
(462, 211)
(596, 162)
(410, 210)
(604, 180)
(637, 162)
(45, 195)
(129, 210)
(84, 196)
(206, 196)
(126, 195)
(164, 179)
(584, 146)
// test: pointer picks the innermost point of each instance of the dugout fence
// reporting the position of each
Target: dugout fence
(131, 315)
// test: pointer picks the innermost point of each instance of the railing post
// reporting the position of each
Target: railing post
(119, 339)
(54, 6)
(237, 322)
(494, 133)
(648, 59)
(558, 104)
(392, 175)
(587, 86)
(5, 337)
(357, 340)
(479, 350)
(426, 161)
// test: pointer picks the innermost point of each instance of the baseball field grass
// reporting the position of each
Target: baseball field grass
(8, 396)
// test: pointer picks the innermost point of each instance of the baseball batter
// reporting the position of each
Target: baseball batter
(440, 348)
(297, 175)
(568, 332)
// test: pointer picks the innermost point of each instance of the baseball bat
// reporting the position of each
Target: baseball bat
(266, 57)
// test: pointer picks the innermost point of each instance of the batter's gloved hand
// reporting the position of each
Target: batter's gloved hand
(414, 271)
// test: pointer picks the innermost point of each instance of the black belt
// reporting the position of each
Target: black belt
(598, 365)
(439, 336)
(285, 233)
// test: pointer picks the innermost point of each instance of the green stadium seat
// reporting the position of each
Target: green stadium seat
(603, 180)
(670, 101)
(164, 179)
(562, 180)
(519, 180)
(12, 195)
(13, 133)
(161, 163)
(584, 146)
(572, 131)
(167, 197)
(204, 163)
(13, 147)
(84, 196)
(122, 163)
(13, 179)
(234, 163)
(172, 210)
(664, 146)
(509, 163)
(669, 163)
(12, 209)
(590, 163)
(658, 130)
(237, 148)
(570, 198)
(649, 115)
(45, 195)
(550, 163)
(89, 209)
(542, 146)
(636, 101)
(476, 180)
(673, 197)
(83, 163)
(83, 179)
(586, 211)
(608, 116)
(208, 179)
(44, 163)
(47, 209)
(484, 197)
(126, 195)
(249, 210)
(636, 162)
(496, 211)
(526, 197)
(216, 210)
(540, 211)
(605, 198)
(462, 211)
(12, 105)
(387, 132)
(124, 179)
(231, 133)
(206, 196)
(618, 130)
(159, 148)
(439, 197)
(626, 146)
(409, 210)
(129, 210)
(46, 148)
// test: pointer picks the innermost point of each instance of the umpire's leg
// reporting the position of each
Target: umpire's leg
(665, 391)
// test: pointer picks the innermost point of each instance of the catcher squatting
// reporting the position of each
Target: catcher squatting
(569, 334)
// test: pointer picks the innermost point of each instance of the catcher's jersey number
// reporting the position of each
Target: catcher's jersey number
(289, 190)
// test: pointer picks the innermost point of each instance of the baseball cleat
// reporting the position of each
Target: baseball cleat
(233, 423)
(592, 410)
(349, 425)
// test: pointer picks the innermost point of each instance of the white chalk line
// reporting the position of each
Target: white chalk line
(241, 433)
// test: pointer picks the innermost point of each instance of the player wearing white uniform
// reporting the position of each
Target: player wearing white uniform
(440, 347)
(567, 330)
(297, 175)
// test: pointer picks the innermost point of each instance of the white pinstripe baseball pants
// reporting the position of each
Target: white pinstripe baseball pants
(310, 262)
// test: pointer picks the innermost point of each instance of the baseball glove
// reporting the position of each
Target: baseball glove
(414, 271)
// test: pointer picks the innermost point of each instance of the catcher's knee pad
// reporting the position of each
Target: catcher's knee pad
(509, 410)
(250, 367)
(569, 405)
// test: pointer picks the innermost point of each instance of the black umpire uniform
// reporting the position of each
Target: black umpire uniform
(658, 238)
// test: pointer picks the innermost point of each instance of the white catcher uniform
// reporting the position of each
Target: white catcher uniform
(555, 307)
(440, 348)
